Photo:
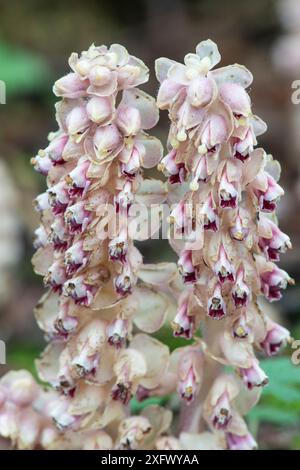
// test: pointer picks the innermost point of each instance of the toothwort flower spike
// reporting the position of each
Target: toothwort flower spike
(229, 264)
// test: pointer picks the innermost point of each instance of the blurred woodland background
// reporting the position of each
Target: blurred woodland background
(36, 39)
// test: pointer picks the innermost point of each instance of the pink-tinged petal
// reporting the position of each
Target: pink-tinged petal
(223, 268)
(183, 324)
(107, 141)
(208, 49)
(277, 336)
(216, 308)
(190, 372)
(158, 274)
(151, 191)
(202, 441)
(100, 109)
(253, 166)
(151, 150)
(100, 75)
(42, 259)
(201, 91)
(19, 387)
(133, 74)
(167, 93)
(253, 376)
(258, 125)
(236, 98)
(228, 193)
(241, 293)
(145, 105)
(117, 333)
(245, 442)
(70, 86)
(156, 357)
(128, 120)
(77, 120)
(176, 172)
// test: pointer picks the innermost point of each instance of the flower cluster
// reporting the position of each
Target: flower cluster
(230, 241)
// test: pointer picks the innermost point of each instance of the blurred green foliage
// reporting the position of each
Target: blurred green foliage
(22, 71)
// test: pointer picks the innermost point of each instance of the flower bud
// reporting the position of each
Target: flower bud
(58, 233)
(245, 442)
(77, 120)
(175, 171)
(106, 140)
(273, 281)
(77, 217)
(77, 179)
(183, 323)
(56, 276)
(58, 197)
(42, 164)
(276, 337)
(125, 281)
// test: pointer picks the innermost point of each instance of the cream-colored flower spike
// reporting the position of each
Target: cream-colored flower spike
(225, 232)
(94, 315)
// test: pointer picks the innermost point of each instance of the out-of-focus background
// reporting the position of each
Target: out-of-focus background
(36, 39)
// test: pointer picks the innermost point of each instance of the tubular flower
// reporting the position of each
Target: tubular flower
(103, 304)
(96, 360)
(229, 189)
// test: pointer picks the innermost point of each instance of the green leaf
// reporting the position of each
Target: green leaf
(272, 414)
